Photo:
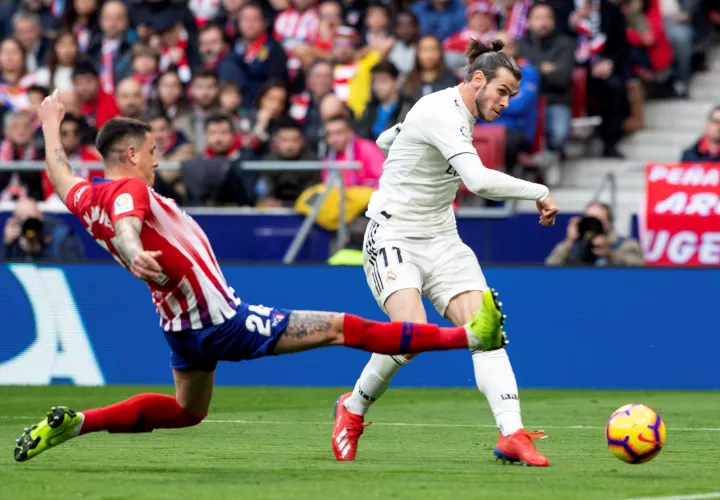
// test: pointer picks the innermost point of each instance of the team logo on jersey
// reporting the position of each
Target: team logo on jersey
(123, 204)
(277, 318)
(390, 276)
(465, 133)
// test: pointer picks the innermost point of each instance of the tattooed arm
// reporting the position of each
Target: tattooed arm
(142, 263)
(51, 113)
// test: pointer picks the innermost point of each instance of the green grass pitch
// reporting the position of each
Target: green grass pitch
(274, 443)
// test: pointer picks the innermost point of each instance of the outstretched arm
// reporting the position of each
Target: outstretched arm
(51, 113)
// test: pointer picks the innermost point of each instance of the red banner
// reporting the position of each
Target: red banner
(682, 215)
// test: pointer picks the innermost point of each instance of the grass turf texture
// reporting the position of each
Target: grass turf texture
(447, 456)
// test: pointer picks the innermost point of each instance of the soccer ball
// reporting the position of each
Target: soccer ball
(635, 433)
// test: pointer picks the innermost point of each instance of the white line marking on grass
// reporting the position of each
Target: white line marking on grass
(403, 424)
(698, 496)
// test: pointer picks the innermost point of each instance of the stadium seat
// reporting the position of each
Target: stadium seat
(489, 141)
(579, 93)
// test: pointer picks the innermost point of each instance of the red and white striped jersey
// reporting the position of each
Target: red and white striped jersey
(293, 27)
(191, 292)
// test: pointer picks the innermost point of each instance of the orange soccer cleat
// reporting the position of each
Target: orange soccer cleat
(346, 433)
(519, 447)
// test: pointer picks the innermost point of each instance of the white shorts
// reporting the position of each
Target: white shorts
(439, 267)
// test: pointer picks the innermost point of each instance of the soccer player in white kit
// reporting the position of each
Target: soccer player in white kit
(412, 247)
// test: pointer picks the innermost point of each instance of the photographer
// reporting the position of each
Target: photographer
(591, 241)
(29, 235)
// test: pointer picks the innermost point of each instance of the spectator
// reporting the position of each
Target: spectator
(62, 57)
(145, 69)
(305, 107)
(481, 26)
(130, 99)
(172, 101)
(430, 73)
(110, 50)
(603, 49)
(378, 21)
(404, 49)
(80, 17)
(204, 92)
(172, 146)
(30, 235)
(14, 78)
(272, 102)
(204, 11)
(72, 108)
(228, 17)
(345, 146)
(40, 8)
(95, 104)
(262, 58)
(677, 18)
(520, 117)
(554, 55)
(77, 152)
(281, 188)
(387, 106)
(230, 101)
(216, 55)
(330, 15)
(27, 29)
(513, 15)
(707, 149)
(296, 25)
(217, 177)
(650, 48)
(19, 145)
(440, 18)
(352, 68)
(592, 240)
(176, 51)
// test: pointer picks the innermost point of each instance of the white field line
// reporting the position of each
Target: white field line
(698, 496)
(400, 424)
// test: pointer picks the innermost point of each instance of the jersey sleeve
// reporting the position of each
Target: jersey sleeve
(132, 198)
(78, 198)
(449, 133)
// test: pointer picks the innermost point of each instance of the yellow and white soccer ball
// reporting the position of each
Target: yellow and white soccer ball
(635, 433)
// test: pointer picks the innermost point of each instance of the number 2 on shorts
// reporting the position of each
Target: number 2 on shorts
(255, 323)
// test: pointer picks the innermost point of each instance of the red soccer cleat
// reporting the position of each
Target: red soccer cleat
(519, 447)
(346, 433)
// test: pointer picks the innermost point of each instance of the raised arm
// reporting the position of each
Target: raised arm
(51, 113)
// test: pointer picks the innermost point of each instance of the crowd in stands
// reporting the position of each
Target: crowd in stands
(225, 82)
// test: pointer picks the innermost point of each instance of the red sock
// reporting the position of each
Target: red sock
(141, 413)
(400, 337)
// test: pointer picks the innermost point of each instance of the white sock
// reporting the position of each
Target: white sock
(473, 340)
(373, 382)
(495, 378)
(76, 431)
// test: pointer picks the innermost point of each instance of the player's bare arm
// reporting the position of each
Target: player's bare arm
(51, 113)
(143, 264)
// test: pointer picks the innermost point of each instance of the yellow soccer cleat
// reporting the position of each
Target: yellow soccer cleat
(61, 424)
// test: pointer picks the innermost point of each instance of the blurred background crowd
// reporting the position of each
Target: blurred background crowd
(226, 82)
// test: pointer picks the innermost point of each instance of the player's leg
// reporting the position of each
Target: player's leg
(402, 305)
(140, 413)
(494, 375)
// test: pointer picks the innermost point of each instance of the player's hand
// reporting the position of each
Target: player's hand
(51, 111)
(145, 265)
(548, 210)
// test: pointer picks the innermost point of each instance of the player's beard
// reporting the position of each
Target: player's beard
(480, 105)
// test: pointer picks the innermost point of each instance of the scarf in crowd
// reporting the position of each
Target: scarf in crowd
(146, 84)
(203, 11)
(232, 153)
(517, 18)
(107, 78)
(707, 148)
(590, 41)
(293, 27)
(83, 34)
(183, 66)
(254, 48)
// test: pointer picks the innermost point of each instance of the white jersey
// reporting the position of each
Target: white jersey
(418, 185)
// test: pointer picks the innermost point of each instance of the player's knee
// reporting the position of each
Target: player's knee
(190, 419)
